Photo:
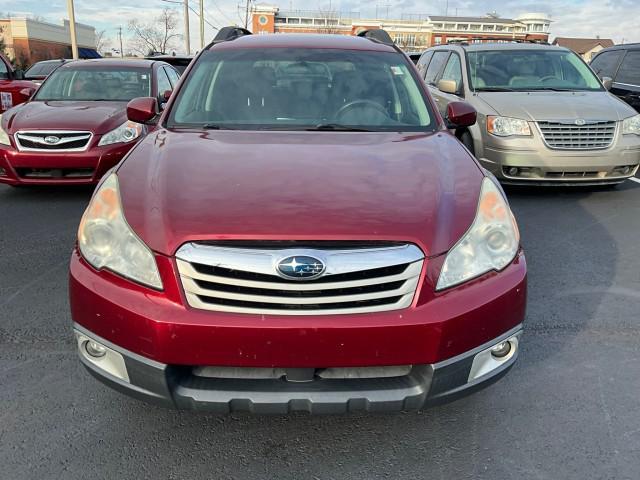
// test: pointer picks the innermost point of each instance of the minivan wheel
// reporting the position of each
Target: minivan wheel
(467, 141)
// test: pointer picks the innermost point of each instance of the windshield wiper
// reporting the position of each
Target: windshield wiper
(496, 89)
(215, 126)
(335, 127)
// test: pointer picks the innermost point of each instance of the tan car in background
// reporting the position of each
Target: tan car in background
(543, 115)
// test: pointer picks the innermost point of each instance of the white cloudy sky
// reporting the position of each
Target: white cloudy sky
(617, 19)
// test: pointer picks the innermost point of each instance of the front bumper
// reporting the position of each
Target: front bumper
(176, 387)
(67, 168)
(527, 161)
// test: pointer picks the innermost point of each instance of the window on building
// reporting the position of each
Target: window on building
(411, 39)
(499, 28)
(606, 64)
(463, 26)
(319, 21)
(332, 22)
(293, 20)
(437, 26)
(630, 69)
(306, 21)
(437, 40)
(281, 20)
(449, 26)
(437, 62)
(487, 28)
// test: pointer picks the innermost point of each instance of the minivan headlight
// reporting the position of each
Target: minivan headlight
(508, 127)
(631, 125)
(4, 136)
(107, 241)
(491, 243)
(125, 133)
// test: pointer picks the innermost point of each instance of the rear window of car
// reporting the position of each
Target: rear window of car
(41, 69)
(629, 71)
(297, 89)
(606, 64)
(96, 84)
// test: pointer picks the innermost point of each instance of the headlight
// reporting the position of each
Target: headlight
(106, 240)
(507, 127)
(125, 133)
(631, 125)
(4, 136)
(491, 243)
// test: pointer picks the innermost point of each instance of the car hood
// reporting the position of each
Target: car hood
(97, 117)
(550, 106)
(180, 187)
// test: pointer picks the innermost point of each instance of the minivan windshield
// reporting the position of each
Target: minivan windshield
(95, 84)
(525, 70)
(302, 89)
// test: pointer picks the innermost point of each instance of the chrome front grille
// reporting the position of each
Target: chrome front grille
(53, 141)
(569, 136)
(245, 280)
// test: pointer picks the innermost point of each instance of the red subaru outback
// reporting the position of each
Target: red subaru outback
(75, 128)
(300, 232)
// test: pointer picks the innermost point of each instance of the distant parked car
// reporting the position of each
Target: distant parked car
(41, 70)
(543, 116)
(179, 62)
(75, 127)
(621, 64)
(14, 89)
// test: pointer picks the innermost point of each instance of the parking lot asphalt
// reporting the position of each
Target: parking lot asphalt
(569, 409)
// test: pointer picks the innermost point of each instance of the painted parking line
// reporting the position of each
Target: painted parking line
(634, 179)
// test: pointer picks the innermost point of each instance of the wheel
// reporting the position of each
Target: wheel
(467, 141)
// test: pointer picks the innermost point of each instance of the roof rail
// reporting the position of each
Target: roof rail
(457, 42)
(226, 34)
(510, 40)
(377, 35)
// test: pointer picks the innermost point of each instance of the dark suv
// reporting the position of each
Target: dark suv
(622, 65)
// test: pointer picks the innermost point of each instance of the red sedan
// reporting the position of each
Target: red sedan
(300, 232)
(75, 128)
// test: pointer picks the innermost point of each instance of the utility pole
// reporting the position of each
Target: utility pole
(246, 14)
(72, 29)
(201, 24)
(187, 39)
(120, 36)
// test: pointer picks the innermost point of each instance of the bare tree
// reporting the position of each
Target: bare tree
(102, 42)
(331, 19)
(155, 36)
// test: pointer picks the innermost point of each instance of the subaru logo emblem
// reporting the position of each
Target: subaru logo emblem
(51, 139)
(580, 122)
(301, 267)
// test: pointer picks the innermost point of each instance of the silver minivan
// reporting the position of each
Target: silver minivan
(544, 117)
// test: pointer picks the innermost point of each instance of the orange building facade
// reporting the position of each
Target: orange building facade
(414, 32)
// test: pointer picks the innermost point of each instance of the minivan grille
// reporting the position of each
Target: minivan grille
(569, 136)
(245, 280)
(51, 141)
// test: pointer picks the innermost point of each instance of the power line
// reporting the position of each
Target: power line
(194, 11)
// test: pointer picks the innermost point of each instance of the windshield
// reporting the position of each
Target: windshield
(95, 84)
(297, 89)
(523, 70)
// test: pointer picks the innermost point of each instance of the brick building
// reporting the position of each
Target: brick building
(412, 32)
(29, 41)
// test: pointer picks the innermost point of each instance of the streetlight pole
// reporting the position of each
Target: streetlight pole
(201, 24)
(187, 40)
(72, 29)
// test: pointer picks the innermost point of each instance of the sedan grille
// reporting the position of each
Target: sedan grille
(245, 280)
(50, 141)
(569, 136)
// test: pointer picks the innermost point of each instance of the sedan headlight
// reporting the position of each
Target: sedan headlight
(631, 125)
(125, 133)
(491, 243)
(107, 241)
(4, 136)
(508, 127)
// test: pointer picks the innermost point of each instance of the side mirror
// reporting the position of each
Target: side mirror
(27, 92)
(18, 74)
(142, 109)
(460, 114)
(448, 86)
(607, 82)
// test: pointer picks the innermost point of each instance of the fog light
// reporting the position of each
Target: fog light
(95, 349)
(625, 170)
(501, 350)
(513, 171)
